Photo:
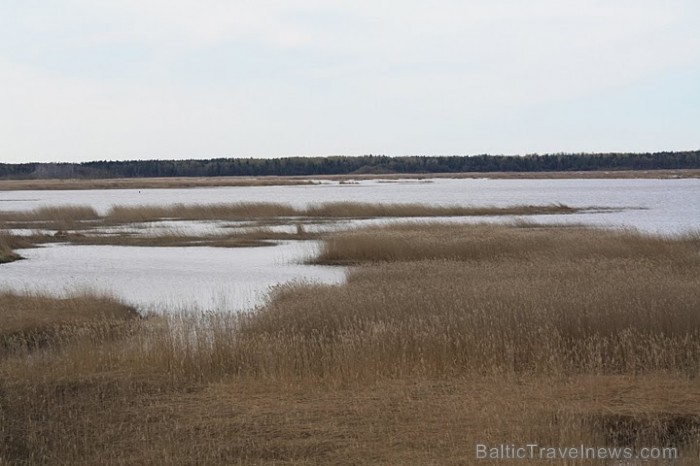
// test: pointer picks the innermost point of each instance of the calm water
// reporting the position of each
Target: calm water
(167, 279)
(670, 206)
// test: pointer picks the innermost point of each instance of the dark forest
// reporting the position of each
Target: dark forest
(343, 165)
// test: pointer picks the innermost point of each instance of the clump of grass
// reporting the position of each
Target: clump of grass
(6, 253)
(28, 321)
(8, 243)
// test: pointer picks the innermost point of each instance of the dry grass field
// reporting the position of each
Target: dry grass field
(443, 337)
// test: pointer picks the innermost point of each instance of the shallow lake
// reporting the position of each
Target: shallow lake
(168, 279)
(200, 278)
(665, 206)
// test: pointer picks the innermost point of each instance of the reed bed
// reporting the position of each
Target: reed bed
(326, 210)
(558, 336)
(265, 210)
(72, 213)
(28, 321)
(248, 238)
(61, 218)
(235, 211)
(80, 224)
(446, 318)
(519, 241)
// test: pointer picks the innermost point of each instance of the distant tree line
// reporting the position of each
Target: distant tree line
(341, 165)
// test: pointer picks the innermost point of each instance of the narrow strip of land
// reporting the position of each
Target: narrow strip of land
(222, 181)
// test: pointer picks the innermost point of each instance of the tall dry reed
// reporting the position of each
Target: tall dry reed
(8, 243)
(557, 336)
(52, 213)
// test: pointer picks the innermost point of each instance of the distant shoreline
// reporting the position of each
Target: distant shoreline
(228, 181)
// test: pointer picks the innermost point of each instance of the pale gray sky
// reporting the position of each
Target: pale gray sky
(124, 79)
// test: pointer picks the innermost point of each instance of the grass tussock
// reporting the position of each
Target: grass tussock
(556, 336)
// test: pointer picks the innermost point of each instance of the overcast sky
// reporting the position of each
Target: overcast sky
(125, 79)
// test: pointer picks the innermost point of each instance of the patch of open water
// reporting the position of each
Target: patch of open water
(165, 279)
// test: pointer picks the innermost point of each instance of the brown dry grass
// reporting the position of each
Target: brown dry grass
(69, 213)
(559, 302)
(236, 211)
(413, 422)
(69, 217)
(8, 243)
(74, 223)
(555, 336)
(6, 252)
(235, 239)
(524, 240)
(263, 210)
(326, 210)
(29, 321)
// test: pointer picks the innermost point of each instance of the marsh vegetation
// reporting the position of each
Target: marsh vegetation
(443, 336)
(8, 244)
(251, 225)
